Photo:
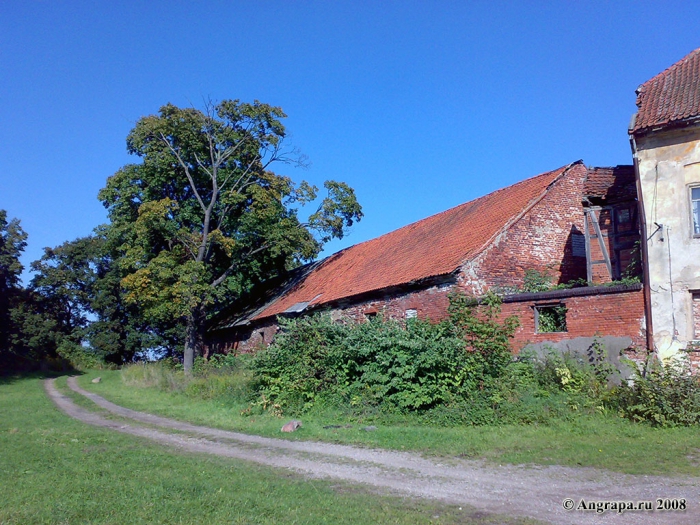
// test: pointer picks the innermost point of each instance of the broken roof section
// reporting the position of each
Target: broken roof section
(610, 185)
(670, 98)
(432, 247)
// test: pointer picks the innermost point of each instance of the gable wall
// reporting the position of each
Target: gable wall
(539, 240)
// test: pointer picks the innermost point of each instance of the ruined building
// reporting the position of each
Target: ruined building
(572, 225)
(595, 227)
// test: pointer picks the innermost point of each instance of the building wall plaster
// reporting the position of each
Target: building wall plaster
(669, 165)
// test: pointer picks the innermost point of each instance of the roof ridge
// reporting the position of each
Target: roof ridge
(527, 207)
(481, 197)
(675, 65)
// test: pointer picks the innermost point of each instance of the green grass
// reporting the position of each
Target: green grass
(54, 469)
(606, 442)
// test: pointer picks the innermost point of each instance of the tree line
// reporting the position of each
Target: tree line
(193, 227)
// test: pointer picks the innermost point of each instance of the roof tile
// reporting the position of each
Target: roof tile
(434, 246)
(612, 184)
(671, 97)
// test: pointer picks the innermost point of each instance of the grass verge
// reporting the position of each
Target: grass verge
(58, 470)
(600, 441)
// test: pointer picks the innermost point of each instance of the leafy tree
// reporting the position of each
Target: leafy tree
(202, 218)
(12, 243)
(75, 304)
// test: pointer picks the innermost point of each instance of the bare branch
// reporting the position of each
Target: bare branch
(187, 170)
(228, 270)
(202, 165)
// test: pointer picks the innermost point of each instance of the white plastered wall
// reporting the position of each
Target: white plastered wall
(669, 165)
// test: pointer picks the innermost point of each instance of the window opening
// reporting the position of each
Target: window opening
(695, 202)
(623, 216)
(696, 315)
(550, 318)
(370, 315)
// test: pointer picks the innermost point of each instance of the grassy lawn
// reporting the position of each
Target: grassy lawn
(596, 441)
(57, 470)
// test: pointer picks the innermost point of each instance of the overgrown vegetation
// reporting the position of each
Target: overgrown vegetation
(217, 377)
(457, 372)
(551, 318)
(543, 281)
(383, 365)
(665, 395)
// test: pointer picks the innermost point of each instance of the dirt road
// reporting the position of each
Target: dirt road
(537, 492)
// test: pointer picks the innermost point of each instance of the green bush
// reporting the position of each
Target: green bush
(79, 357)
(663, 395)
(400, 367)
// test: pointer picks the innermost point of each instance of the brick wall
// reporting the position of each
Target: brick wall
(430, 303)
(539, 240)
(696, 315)
(614, 314)
(620, 230)
(241, 340)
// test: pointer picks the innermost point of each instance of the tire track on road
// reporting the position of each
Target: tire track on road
(535, 492)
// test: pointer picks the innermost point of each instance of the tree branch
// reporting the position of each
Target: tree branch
(228, 270)
(187, 171)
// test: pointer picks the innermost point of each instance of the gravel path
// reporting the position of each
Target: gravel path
(537, 492)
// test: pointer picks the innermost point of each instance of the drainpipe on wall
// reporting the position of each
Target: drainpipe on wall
(643, 243)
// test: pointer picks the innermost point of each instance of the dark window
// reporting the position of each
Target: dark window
(695, 202)
(550, 318)
(578, 245)
(370, 315)
(623, 216)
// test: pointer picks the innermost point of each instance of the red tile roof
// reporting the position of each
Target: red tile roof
(671, 97)
(613, 184)
(431, 247)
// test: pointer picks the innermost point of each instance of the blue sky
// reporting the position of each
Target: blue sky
(418, 105)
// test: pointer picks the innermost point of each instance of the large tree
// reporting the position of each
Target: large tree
(77, 303)
(202, 217)
(13, 240)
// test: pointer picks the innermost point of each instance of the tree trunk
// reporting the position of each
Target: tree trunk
(193, 338)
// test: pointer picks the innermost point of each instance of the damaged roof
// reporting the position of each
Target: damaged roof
(432, 247)
(670, 98)
(612, 184)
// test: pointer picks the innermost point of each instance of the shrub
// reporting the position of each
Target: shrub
(664, 395)
(79, 357)
(416, 365)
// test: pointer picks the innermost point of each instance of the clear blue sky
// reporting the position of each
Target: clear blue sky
(419, 106)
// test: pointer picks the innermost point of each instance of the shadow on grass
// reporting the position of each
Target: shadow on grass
(35, 370)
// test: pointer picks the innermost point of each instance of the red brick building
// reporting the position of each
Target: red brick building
(572, 224)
